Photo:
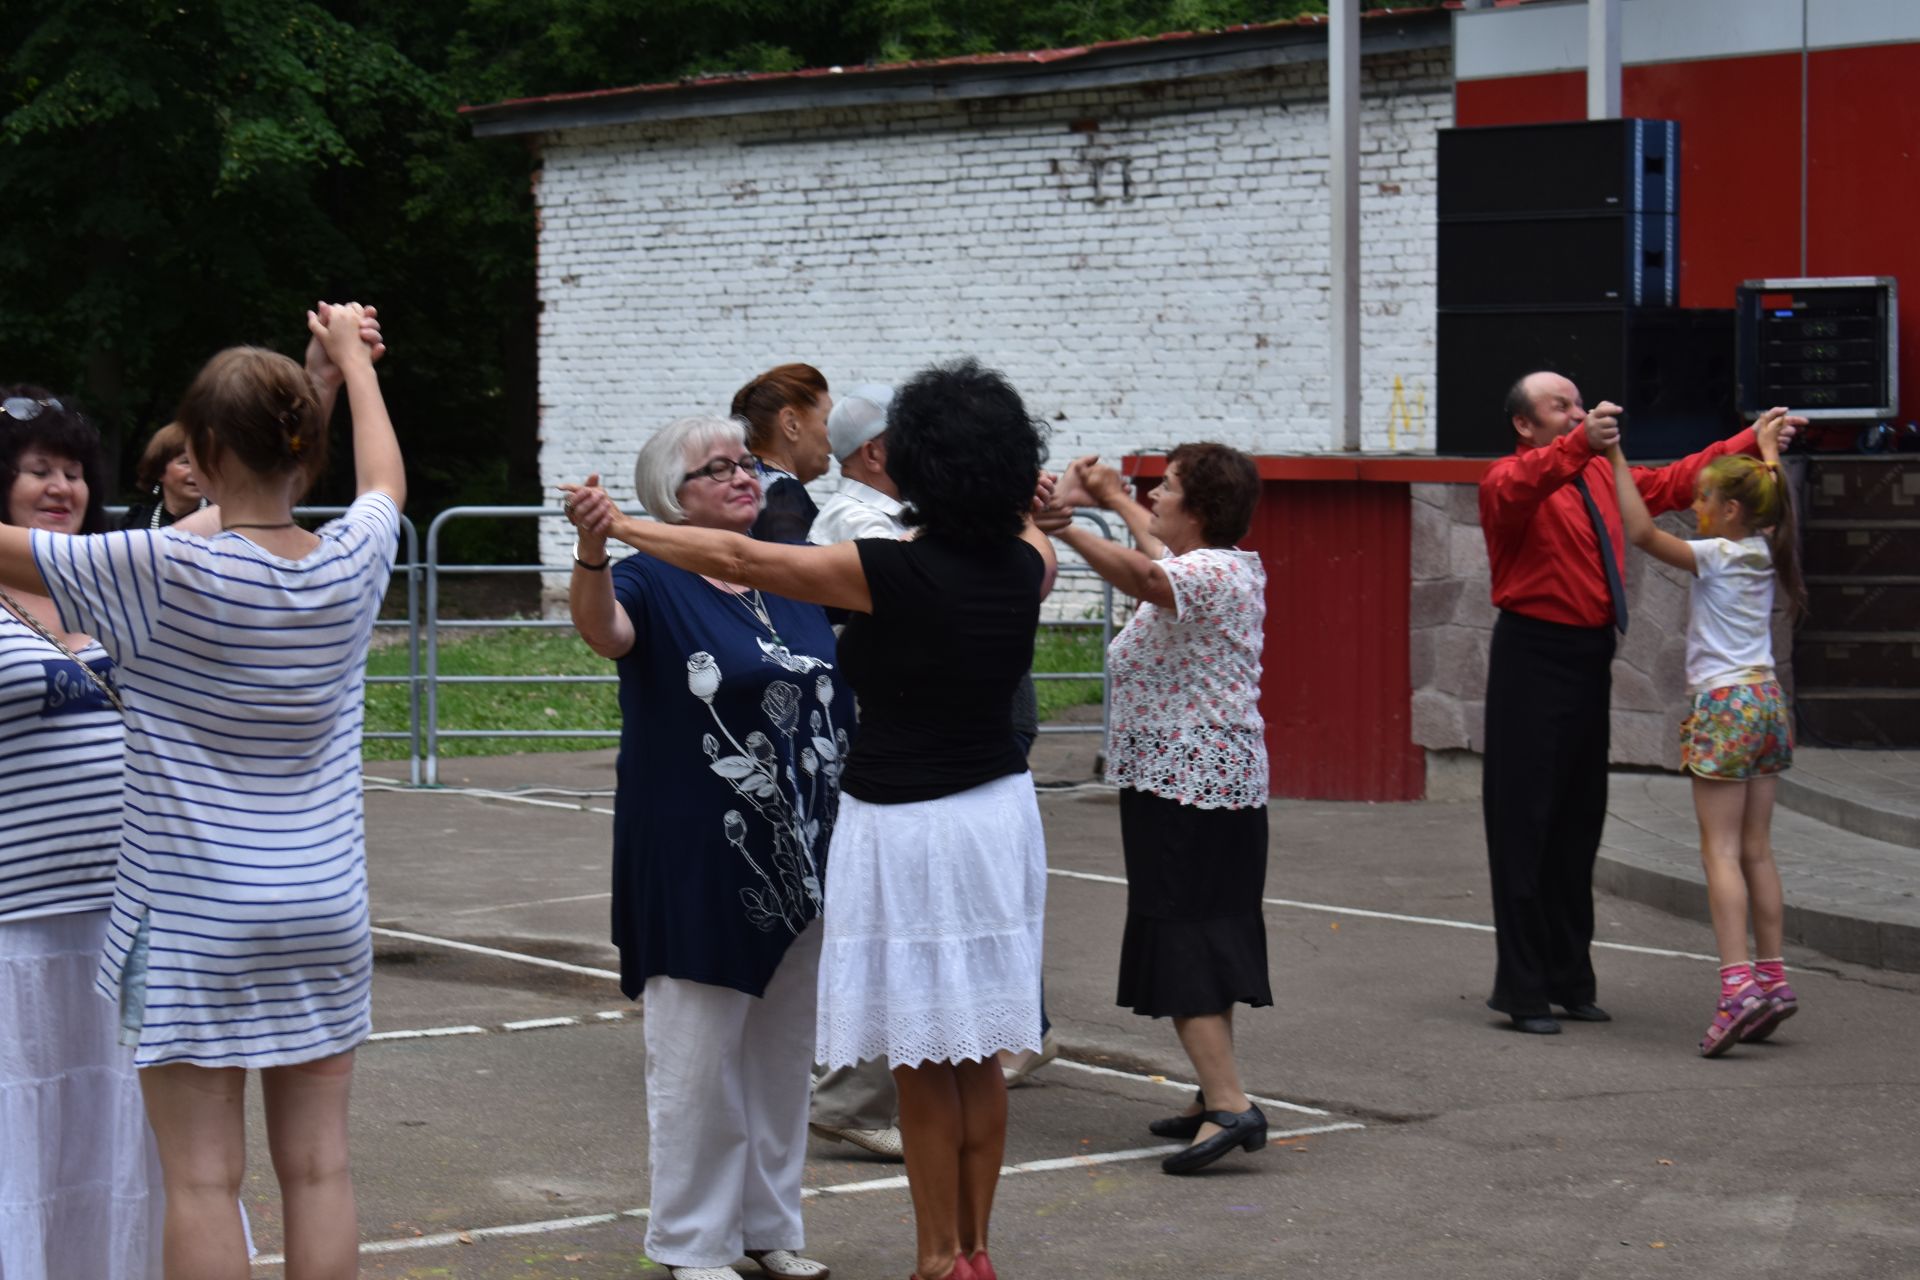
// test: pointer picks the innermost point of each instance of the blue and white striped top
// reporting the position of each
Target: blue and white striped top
(59, 778)
(243, 841)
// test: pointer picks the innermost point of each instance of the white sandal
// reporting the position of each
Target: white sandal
(704, 1273)
(785, 1264)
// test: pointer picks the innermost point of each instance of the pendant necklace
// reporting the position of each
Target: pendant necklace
(757, 607)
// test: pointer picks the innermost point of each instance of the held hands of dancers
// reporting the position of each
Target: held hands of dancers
(344, 334)
(589, 508)
(1603, 426)
(1086, 483)
(1773, 430)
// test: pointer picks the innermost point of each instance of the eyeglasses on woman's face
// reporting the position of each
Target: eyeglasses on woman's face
(23, 409)
(722, 469)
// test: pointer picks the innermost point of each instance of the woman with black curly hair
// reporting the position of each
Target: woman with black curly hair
(936, 877)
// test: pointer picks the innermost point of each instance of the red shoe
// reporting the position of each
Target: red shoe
(961, 1270)
(982, 1266)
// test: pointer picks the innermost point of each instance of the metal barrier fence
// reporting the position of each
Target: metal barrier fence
(424, 733)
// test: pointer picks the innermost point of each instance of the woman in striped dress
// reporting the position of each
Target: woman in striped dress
(239, 933)
(78, 1176)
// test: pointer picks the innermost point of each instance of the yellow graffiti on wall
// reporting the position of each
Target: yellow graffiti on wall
(1406, 415)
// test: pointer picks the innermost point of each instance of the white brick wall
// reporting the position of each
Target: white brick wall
(1147, 265)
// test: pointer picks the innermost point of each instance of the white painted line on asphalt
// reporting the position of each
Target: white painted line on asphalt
(1362, 913)
(444, 1239)
(535, 1024)
(441, 1239)
(479, 793)
(1149, 1153)
(611, 1015)
(1356, 912)
(426, 1033)
(495, 952)
(1181, 1085)
(537, 902)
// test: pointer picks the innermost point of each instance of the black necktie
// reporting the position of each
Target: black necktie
(1615, 587)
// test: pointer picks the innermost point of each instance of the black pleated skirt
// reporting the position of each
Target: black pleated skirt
(1196, 942)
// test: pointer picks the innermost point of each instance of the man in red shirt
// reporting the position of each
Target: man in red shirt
(1557, 549)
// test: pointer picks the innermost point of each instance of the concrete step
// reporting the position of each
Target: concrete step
(1849, 895)
(1870, 793)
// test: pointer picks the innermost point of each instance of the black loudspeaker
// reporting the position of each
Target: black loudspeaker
(1585, 167)
(1671, 369)
(1605, 259)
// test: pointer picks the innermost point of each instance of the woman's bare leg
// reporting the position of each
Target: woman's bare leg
(983, 1146)
(199, 1123)
(1208, 1040)
(932, 1130)
(307, 1137)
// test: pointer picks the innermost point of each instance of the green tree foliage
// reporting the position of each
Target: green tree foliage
(180, 175)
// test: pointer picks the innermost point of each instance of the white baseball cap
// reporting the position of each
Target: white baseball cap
(858, 416)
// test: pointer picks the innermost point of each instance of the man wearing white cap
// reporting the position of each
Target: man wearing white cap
(867, 504)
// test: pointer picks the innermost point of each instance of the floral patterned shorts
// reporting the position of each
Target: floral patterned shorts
(1737, 732)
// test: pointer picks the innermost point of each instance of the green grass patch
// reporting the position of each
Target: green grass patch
(517, 652)
(514, 652)
(1066, 649)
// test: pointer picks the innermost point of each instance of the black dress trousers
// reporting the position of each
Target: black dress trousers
(1544, 799)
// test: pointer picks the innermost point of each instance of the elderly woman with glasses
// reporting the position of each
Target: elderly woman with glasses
(735, 727)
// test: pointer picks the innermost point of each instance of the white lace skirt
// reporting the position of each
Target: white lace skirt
(79, 1179)
(934, 913)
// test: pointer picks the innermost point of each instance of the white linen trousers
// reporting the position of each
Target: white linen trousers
(728, 1079)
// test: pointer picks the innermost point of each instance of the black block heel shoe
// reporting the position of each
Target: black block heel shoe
(1181, 1127)
(1246, 1130)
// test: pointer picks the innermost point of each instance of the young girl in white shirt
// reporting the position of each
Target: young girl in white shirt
(1739, 737)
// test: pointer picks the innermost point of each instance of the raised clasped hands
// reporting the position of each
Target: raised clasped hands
(1774, 429)
(588, 507)
(1086, 483)
(1603, 426)
(341, 333)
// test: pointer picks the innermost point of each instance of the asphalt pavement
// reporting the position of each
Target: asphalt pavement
(500, 1121)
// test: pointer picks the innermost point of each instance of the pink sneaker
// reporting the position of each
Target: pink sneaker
(1734, 1015)
(1781, 1005)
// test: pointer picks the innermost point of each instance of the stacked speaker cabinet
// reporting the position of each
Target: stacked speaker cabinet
(1559, 249)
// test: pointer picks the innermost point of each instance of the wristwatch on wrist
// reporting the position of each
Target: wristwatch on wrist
(605, 559)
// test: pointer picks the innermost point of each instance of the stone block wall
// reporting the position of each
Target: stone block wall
(1452, 624)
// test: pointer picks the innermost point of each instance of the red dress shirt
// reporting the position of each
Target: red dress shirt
(1540, 541)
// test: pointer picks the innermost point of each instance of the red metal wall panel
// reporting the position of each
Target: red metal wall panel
(1336, 693)
(1552, 97)
(1740, 148)
(1863, 179)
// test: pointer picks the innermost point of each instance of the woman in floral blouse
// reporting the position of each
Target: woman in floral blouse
(734, 731)
(1188, 752)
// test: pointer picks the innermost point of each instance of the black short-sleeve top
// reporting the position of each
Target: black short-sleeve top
(935, 665)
